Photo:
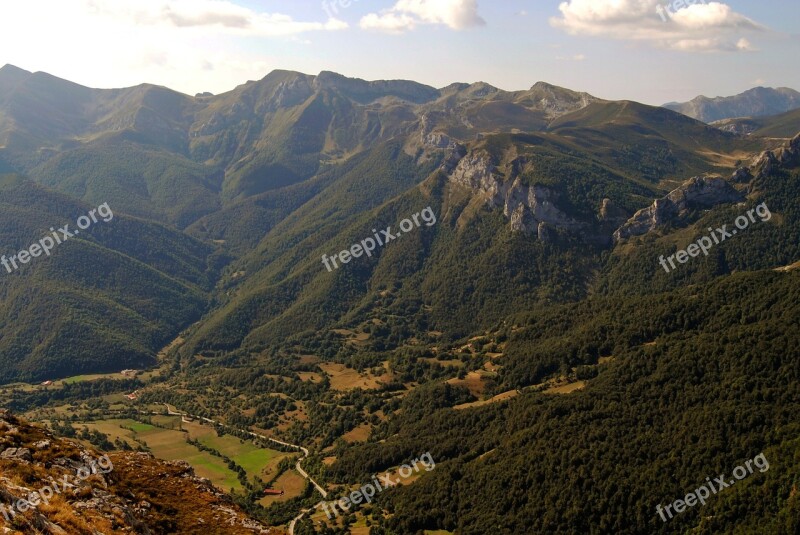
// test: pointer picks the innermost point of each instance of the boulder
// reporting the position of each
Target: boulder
(17, 454)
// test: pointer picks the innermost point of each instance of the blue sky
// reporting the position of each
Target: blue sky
(616, 49)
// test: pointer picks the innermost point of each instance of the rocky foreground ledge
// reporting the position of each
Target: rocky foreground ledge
(58, 486)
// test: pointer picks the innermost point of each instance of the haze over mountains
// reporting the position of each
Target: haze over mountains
(756, 102)
(533, 316)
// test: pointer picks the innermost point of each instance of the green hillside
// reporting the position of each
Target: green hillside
(105, 300)
(783, 125)
(705, 360)
(458, 271)
(606, 456)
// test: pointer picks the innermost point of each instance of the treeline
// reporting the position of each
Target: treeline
(21, 400)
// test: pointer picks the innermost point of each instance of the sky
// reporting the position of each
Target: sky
(652, 51)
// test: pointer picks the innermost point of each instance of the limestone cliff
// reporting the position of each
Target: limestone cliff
(697, 192)
(529, 208)
(707, 192)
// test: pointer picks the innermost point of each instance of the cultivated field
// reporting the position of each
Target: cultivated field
(171, 444)
(291, 483)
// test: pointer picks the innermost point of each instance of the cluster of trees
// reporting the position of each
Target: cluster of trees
(96, 438)
(720, 382)
(22, 400)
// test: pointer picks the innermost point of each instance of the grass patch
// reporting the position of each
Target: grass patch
(291, 483)
(169, 445)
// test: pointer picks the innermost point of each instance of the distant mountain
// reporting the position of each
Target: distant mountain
(279, 171)
(755, 102)
(784, 125)
(522, 198)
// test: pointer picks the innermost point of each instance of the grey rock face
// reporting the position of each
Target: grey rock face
(708, 192)
(741, 176)
(526, 207)
(438, 141)
(697, 192)
(17, 454)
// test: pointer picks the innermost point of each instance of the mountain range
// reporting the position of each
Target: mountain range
(532, 316)
(263, 178)
(756, 102)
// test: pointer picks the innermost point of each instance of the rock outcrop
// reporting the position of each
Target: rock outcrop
(707, 192)
(767, 161)
(740, 127)
(59, 487)
(18, 454)
(697, 192)
(530, 209)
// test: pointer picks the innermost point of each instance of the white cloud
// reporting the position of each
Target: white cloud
(576, 57)
(189, 45)
(406, 15)
(219, 16)
(388, 22)
(744, 45)
(700, 27)
(712, 16)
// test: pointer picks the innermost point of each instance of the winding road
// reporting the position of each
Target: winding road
(297, 466)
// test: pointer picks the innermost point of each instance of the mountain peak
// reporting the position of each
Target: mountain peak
(12, 69)
(543, 85)
(755, 102)
(548, 88)
(11, 75)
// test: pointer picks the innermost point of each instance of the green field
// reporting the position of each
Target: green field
(94, 377)
(139, 427)
(257, 462)
(171, 422)
(169, 445)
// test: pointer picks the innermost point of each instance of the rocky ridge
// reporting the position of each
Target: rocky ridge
(707, 192)
(122, 492)
(697, 192)
(533, 209)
